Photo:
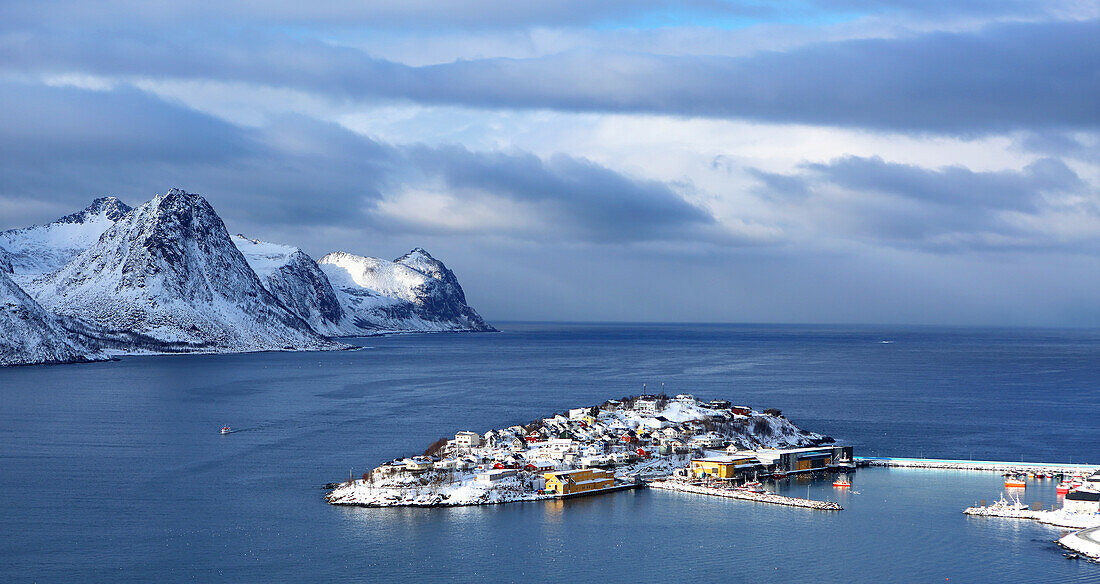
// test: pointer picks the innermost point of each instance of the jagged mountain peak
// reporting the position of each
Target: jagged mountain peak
(108, 207)
(41, 249)
(414, 292)
(294, 279)
(415, 253)
(170, 271)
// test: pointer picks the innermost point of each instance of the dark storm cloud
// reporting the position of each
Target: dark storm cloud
(955, 186)
(1030, 75)
(945, 209)
(599, 203)
(69, 144)
(1062, 144)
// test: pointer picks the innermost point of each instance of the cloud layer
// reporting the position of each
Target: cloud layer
(711, 160)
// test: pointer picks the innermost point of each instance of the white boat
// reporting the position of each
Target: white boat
(226, 429)
(842, 464)
(752, 487)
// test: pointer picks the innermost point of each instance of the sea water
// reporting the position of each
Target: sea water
(116, 472)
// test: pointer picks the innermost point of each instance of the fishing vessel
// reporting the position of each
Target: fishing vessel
(842, 464)
(842, 483)
(1015, 483)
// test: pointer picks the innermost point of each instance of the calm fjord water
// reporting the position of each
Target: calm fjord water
(116, 471)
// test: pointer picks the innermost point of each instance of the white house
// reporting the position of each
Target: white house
(493, 476)
(467, 439)
(685, 398)
(1082, 501)
(578, 413)
(647, 405)
(418, 464)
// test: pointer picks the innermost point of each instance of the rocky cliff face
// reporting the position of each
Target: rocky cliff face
(5, 261)
(169, 271)
(296, 281)
(41, 249)
(31, 335)
(414, 293)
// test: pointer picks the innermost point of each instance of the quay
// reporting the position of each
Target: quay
(981, 465)
(686, 487)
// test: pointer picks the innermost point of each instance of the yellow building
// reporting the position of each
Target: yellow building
(721, 467)
(568, 482)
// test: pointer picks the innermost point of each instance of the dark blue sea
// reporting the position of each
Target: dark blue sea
(116, 472)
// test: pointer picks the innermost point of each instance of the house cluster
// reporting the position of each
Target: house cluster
(582, 449)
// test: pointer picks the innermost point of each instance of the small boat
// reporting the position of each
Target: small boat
(226, 429)
(1070, 556)
(752, 487)
(779, 475)
(1063, 488)
(1015, 483)
(841, 483)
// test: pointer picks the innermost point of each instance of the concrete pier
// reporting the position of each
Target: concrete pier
(983, 465)
(685, 487)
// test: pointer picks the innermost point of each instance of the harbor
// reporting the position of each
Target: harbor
(684, 444)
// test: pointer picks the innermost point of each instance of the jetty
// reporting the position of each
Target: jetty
(730, 493)
(979, 465)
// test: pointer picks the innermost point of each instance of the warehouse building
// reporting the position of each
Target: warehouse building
(723, 467)
(570, 482)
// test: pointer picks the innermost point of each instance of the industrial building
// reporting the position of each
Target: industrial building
(1081, 501)
(569, 482)
(796, 460)
(723, 467)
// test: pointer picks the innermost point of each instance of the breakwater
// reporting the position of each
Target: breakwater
(1014, 509)
(686, 487)
(982, 465)
(1085, 542)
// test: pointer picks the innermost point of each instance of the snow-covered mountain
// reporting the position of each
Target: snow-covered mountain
(416, 292)
(169, 271)
(41, 249)
(296, 280)
(31, 335)
(5, 261)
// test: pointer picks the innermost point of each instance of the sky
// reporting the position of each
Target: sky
(805, 161)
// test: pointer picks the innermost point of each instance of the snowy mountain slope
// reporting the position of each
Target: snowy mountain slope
(5, 261)
(31, 335)
(295, 280)
(381, 296)
(169, 271)
(40, 249)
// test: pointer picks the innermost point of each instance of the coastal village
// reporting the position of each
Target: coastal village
(684, 444)
(680, 443)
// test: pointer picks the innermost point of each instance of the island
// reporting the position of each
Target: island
(619, 444)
